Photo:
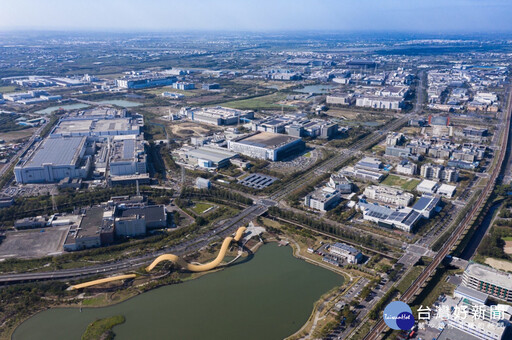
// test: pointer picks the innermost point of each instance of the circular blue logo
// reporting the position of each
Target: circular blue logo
(398, 315)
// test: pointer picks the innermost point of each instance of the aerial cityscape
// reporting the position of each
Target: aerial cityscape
(256, 170)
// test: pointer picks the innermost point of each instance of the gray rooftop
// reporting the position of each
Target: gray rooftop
(267, 140)
(490, 275)
(57, 151)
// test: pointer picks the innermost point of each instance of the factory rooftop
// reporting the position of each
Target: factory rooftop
(267, 140)
(216, 155)
(57, 151)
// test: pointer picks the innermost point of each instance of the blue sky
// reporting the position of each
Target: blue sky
(433, 16)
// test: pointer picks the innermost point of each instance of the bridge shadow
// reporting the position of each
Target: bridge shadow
(242, 260)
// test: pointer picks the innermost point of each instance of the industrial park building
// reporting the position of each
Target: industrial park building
(53, 160)
(144, 82)
(266, 145)
(216, 115)
(127, 156)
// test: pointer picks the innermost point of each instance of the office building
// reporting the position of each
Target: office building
(181, 85)
(406, 168)
(446, 190)
(389, 195)
(322, 199)
(341, 183)
(346, 252)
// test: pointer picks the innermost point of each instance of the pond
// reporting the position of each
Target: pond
(269, 297)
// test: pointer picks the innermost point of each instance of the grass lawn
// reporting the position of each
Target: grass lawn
(307, 155)
(405, 184)
(200, 208)
(507, 238)
(256, 103)
(6, 89)
(409, 278)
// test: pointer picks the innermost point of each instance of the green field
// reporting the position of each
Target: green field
(102, 328)
(507, 238)
(200, 208)
(405, 184)
(6, 89)
(268, 102)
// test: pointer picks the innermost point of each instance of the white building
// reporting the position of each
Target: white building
(389, 195)
(53, 160)
(427, 186)
(322, 199)
(406, 168)
(266, 145)
(346, 252)
(446, 190)
(375, 102)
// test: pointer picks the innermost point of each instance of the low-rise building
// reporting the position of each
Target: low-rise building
(427, 186)
(341, 183)
(203, 183)
(322, 199)
(266, 145)
(389, 195)
(346, 252)
(446, 190)
(404, 219)
(426, 205)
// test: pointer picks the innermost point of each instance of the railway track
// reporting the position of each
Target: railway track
(454, 238)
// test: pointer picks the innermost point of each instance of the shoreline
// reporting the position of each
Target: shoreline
(193, 276)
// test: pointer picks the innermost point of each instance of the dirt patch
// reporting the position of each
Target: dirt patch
(508, 247)
(499, 264)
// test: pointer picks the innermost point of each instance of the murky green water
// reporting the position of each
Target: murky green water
(269, 297)
(50, 109)
(120, 102)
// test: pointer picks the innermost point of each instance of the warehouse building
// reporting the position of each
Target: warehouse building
(53, 160)
(208, 157)
(266, 145)
(95, 229)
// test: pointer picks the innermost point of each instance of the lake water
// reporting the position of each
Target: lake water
(269, 297)
(50, 109)
(120, 102)
(316, 89)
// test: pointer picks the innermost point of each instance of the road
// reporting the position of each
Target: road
(227, 228)
(462, 226)
(185, 247)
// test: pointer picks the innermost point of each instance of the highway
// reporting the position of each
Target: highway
(462, 226)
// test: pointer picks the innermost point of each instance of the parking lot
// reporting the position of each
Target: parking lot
(33, 243)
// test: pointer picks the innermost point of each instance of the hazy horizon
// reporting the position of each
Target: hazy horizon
(433, 17)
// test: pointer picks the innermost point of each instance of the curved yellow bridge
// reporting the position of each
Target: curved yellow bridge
(176, 259)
